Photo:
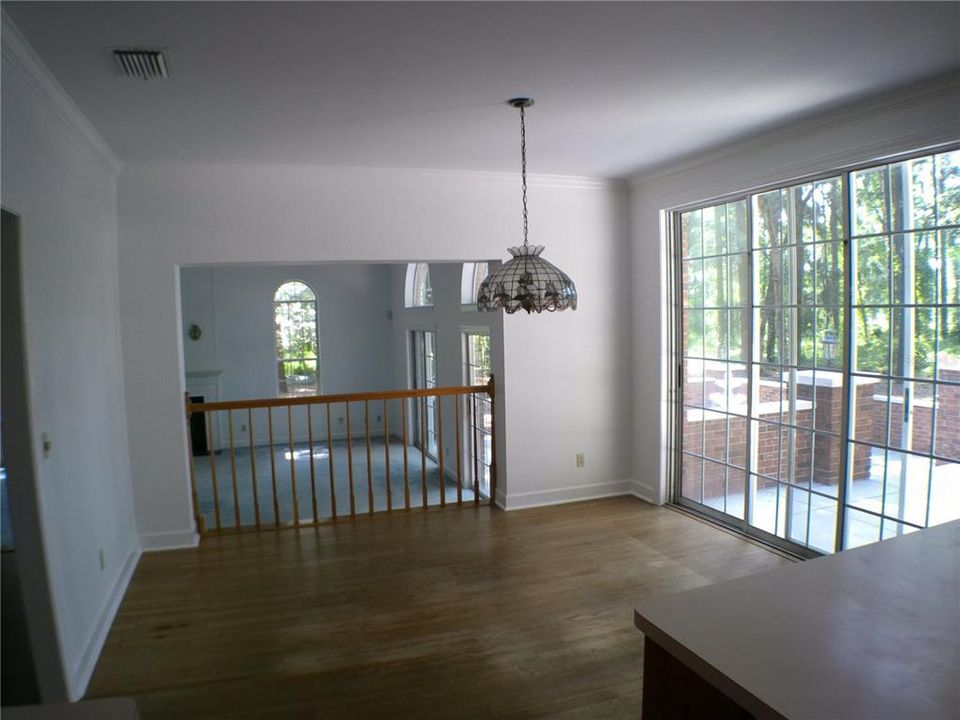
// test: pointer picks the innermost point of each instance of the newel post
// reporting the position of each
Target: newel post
(197, 517)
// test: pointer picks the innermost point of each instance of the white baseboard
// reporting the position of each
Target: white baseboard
(575, 493)
(177, 539)
(643, 492)
(81, 674)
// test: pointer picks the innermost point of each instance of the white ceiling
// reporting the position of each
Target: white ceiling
(620, 87)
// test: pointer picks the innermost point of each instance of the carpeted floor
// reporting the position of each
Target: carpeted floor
(364, 479)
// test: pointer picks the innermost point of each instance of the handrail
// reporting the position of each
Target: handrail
(339, 398)
(477, 420)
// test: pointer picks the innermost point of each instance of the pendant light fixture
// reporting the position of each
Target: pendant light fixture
(526, 281)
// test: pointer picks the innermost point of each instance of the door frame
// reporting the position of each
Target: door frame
(22, 459)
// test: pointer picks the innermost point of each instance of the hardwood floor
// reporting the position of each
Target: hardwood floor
(460, 613)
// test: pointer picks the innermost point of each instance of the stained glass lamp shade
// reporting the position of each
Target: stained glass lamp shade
(527, 282)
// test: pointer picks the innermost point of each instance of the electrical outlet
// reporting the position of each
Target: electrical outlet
(340, 420)
(581, 461)
(46, 444)
(379, 418)
(243, 427)
(103, 561)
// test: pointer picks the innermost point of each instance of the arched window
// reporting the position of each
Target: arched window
(473, 275)
(418, 292)
(295, 331)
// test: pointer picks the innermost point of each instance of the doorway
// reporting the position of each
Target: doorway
(424, 375)
(31, 664)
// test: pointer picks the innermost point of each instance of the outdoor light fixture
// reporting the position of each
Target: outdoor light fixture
(526, 281)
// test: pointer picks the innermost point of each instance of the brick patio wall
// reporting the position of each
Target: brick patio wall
(724, 438)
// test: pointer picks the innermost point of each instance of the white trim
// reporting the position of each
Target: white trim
(409, 289)
(750, 182)
(643, 492)
(559, 496)
(316, 333)
(851, 115)
(83, 671)
(490, 178)
(17, 52)
(174, 540)
(668, 356)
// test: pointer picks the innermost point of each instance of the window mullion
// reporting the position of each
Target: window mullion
(849, 345)
(751, 352)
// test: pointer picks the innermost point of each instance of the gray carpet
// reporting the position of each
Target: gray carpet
(362, 482)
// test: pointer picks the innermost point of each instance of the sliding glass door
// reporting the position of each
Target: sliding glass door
(905, 359)
(821, 356)
(716, 346)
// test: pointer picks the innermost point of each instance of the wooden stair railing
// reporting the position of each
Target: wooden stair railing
(226, 514)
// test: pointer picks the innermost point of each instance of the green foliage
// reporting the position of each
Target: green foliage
(798, 236)
(295, 331)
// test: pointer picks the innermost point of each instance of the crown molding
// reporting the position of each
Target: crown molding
(511, 179)
(930, 140)
(920, 93)
(18, 54)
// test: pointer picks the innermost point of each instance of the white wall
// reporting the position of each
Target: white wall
(233, 305)
(923, 116)
(59, 178)
(448, 317)
(198, 307)
(564, 374)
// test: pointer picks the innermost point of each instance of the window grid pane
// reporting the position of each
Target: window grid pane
(903, 312)
(479, 426)
(296, 339)
(903, 380)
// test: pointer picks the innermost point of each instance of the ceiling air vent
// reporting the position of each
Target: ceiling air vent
(139, 63)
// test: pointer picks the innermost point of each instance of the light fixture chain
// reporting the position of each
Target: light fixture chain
(523, 170)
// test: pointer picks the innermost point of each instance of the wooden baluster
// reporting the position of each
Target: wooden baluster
(313, 471)
(461, 406)
(333, 486)
(443, 477)
(366, 422)
(386, 453)
(293, 467)
(476, 449)
(491, 388)
(197, 517)
(423, 447)
(233, 472)
(273, 470)
(353, 501)
(213, 470)
(253, 467)
(406, 464)
(459, 421)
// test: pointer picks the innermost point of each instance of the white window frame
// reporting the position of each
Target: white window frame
(670, 244)
(410, 289)
(484, 461)
(468, 283)
(316, 330)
